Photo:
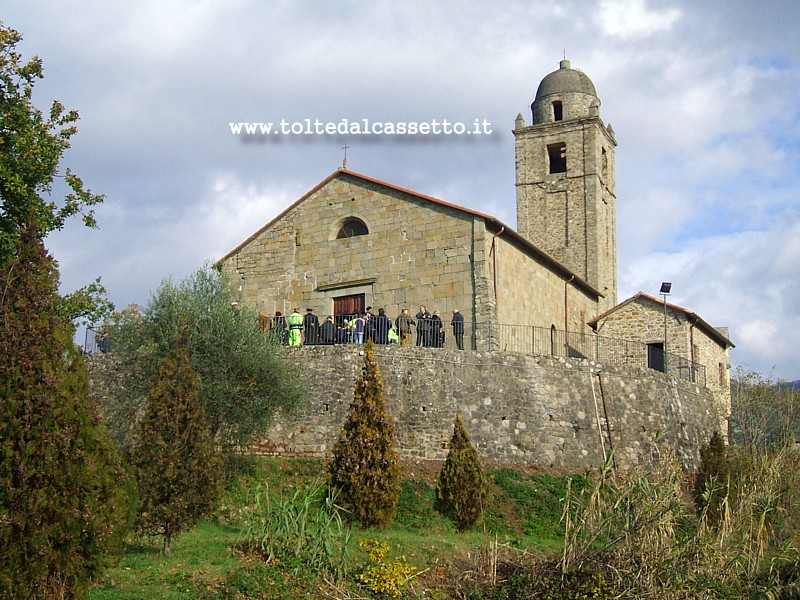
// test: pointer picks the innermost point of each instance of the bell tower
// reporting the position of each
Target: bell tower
(566, 189)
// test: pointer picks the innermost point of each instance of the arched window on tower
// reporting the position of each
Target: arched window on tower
(351, 228)
(558, 111)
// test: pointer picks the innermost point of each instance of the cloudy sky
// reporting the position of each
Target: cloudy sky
(704, 98)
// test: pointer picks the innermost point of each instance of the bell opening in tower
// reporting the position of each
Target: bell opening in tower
(557, 153)
(558, 111)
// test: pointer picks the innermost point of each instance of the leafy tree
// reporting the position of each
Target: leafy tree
(63, 499)
(89, 304)
(178, 472)
(243, 378)
(31, 147)
(365, 466)
(462, 489)
(765, 415)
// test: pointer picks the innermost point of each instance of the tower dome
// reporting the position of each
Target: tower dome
(564, 94)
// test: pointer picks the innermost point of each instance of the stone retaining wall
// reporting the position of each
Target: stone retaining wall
(517, 408)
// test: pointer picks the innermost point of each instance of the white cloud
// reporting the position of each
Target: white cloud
(631, 18)
(233, 210)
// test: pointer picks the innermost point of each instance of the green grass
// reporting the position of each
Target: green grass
(206, 562)
(538, 500)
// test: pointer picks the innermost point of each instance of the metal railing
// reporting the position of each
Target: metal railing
(541, 341)
(526, 339)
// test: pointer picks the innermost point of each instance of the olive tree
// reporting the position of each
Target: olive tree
(243, 377)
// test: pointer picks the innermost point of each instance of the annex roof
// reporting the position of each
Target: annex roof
(494, 224)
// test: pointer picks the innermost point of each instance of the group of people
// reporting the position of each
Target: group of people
(296, 329)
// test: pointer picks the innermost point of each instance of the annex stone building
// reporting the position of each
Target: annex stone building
(354, 241)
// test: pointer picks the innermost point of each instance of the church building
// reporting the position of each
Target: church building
(353, 241)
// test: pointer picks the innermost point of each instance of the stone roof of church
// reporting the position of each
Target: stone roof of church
(693, 317)
(498, 227)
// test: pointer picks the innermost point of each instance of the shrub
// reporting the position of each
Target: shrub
(462, 488)
(384, 576)
(178, 472)
(365, 467)
(713, 480)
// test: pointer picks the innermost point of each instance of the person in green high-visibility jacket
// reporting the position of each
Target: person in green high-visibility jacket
(295, 322)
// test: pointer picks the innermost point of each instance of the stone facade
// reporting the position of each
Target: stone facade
(415, 251)
(560, 412)
(529, 294)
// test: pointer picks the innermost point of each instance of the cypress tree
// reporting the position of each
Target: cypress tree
(365, 467)
(713, 479)
(462, 489)
(178, 472)
(63, 503)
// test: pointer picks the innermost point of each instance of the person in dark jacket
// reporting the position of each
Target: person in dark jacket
(457, 324)
(423, 329)
(436, 330)
(327, 333)
(277, 328)
(310, 327)
(380, 327)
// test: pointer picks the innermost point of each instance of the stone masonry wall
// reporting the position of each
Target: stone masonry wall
(571, 215)
(540, 301)
(517, 408)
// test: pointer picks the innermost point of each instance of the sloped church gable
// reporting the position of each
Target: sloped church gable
(354, 235)
(305, 258)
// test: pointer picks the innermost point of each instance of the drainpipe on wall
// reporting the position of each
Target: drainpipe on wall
(494, 268)
(474, 288)
(566, 315)
(691, 349)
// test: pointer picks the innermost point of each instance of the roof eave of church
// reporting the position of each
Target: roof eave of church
(498, 225)
(695, 319)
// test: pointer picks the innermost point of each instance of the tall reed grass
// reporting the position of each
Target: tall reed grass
(646, 536)
(305, 529)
